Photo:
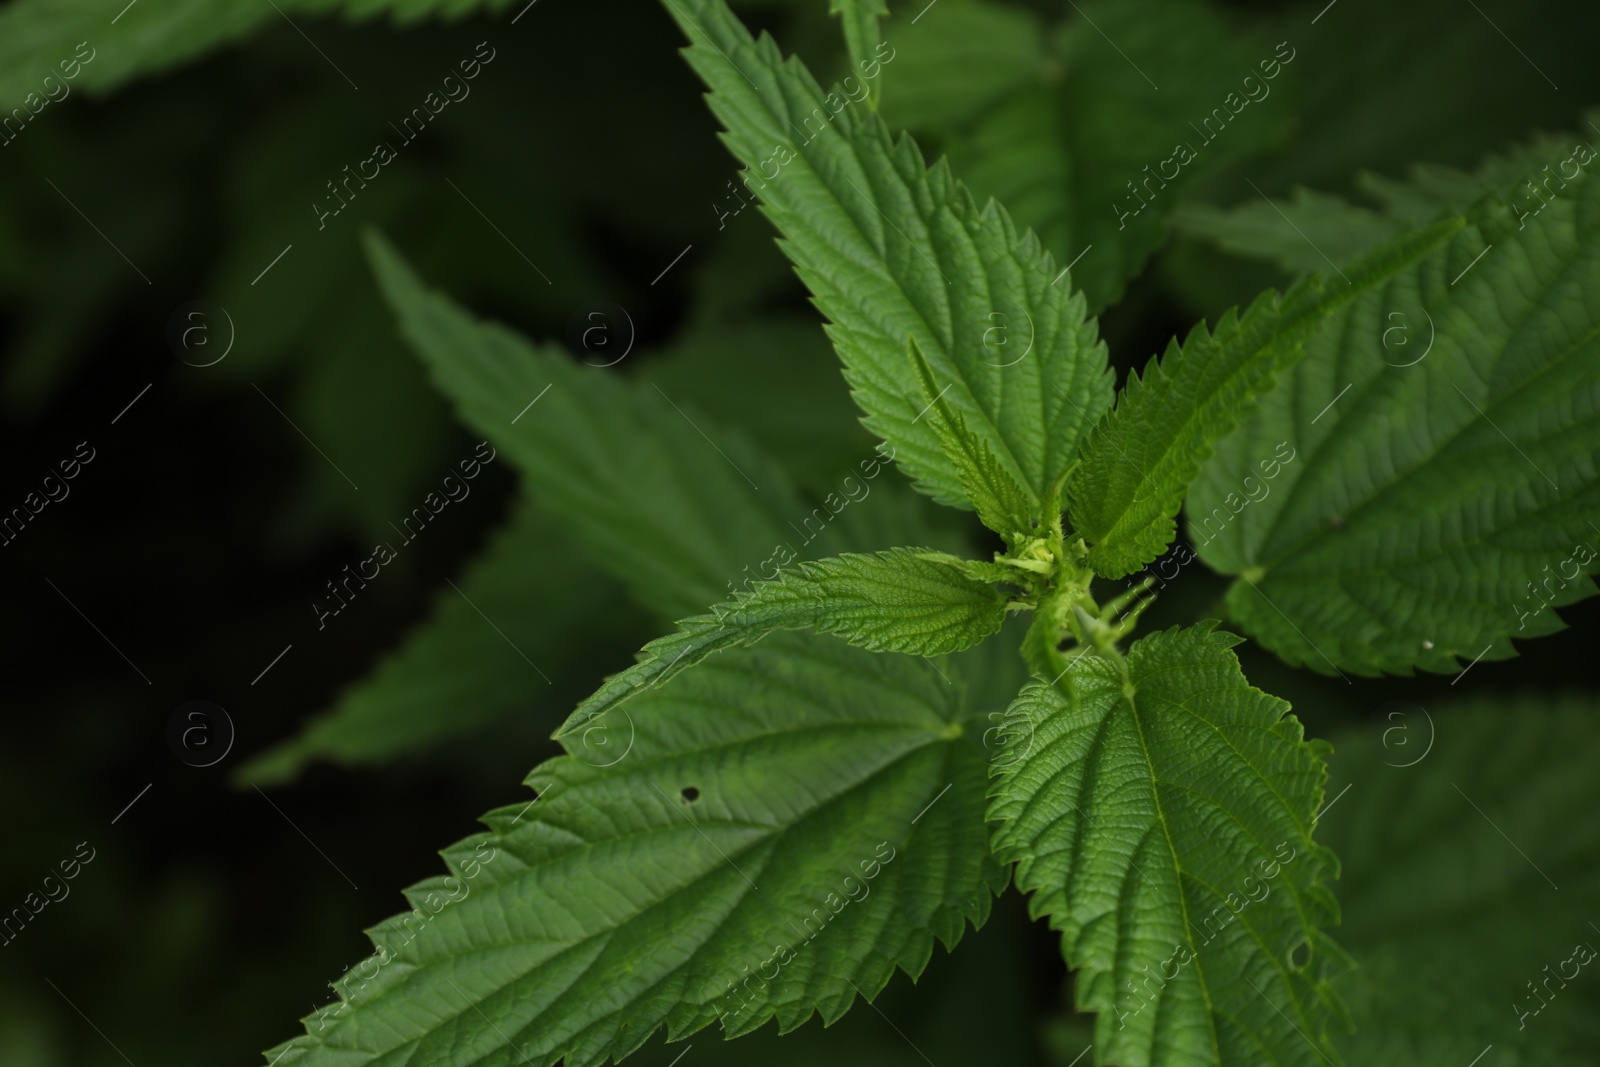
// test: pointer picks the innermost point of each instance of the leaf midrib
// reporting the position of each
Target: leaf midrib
(1127, 697)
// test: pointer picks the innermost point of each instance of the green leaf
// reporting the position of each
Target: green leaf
(953, 65)
(904, 600)
(1002, 505)
(1368, 100)
(792, 400)
(1125, 492)
(861, 37)
(1162, 819)
(397, 445)
(891, 249)
(127, 41)
(804, 811)
(1109, 119)
(1314, 230)
(456, 673)
(1438, 448)
(1454, 821)
(1311, 231)
(513, 614)
(645, 486)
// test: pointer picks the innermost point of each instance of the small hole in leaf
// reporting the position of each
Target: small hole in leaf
(690, 793)
(1300, 955)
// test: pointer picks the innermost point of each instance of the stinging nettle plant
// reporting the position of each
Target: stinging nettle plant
(826, 772)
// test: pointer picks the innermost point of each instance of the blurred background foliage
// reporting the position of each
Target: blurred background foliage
(197, 140)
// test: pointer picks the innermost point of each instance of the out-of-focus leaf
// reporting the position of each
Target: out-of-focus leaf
(669, 509)
(1093, 144)
(121, 41)
(1320, 231)
(777, 379)
(1296, 233)
(1449, 920)
(957, 61)
(1384, 100)
(659, 496)
(525, 605)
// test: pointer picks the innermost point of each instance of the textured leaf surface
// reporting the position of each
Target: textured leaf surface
(472, 662)
(1125, 492)
(903, 600)
(893, 250)
(1002, 505)
(1448, 922)
(1446, 440)
(1162, 821)
(704, 872)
